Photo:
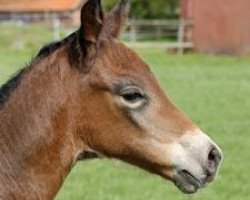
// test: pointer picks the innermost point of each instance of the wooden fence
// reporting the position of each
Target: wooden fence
(167, 34)
(159, 32)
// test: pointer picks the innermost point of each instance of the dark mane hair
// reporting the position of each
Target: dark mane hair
(52, 47)
(10, 86)
(7, 88)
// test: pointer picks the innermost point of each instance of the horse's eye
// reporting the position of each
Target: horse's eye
(132, 97)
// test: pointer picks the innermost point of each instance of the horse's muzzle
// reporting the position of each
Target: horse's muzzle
(197, 162)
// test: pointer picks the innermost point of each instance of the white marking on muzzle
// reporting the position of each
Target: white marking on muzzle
(190, 152)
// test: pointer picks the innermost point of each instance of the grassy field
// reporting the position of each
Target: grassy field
(213, 91)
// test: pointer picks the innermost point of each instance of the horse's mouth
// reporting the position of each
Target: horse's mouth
(187, 182)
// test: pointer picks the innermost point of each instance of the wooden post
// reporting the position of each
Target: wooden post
(133, 32)
(159, 32)
(13, 17)
(46, 18)
(56, 26)
(181, 32)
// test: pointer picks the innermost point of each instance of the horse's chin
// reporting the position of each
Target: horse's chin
(185, 181)
(190, 182)
(188, 189)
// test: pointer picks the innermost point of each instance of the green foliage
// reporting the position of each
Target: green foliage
(146, 9)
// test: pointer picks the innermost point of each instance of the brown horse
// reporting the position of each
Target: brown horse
(91, 96)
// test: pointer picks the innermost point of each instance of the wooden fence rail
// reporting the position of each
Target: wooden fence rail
(158, 29)
(138, 34)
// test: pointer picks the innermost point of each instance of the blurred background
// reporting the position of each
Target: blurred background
(200, 53)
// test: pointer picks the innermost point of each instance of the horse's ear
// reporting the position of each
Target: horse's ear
(116, 19)
(88, 35)
(91, 21)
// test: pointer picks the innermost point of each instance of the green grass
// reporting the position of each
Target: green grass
(213, 91)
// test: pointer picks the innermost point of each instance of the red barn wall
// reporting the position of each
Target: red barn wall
(187, 9)
(220, 26)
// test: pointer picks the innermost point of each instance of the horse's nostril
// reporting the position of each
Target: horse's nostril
(214, 157)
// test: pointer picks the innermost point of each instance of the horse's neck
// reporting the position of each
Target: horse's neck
(37, 147)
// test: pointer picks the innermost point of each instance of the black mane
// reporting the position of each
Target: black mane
(7, 88)
(52, 47)
(10, 86)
